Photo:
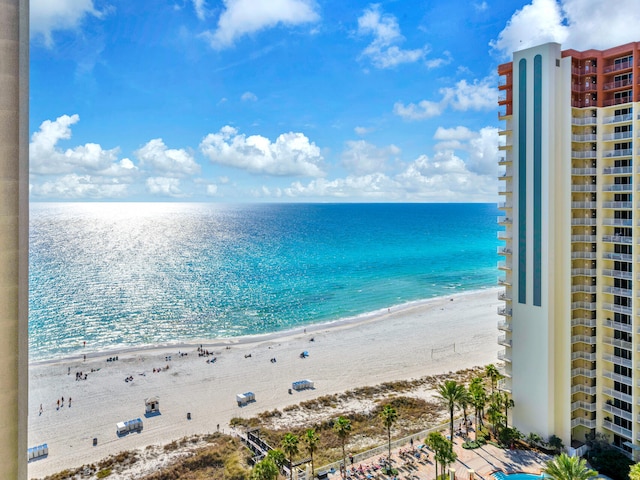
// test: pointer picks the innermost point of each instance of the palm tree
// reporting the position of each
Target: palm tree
(451, 393)
(494, 413)
(342, 427)
(508, 403)
(442, 451)
(634, 473)
(265, 469)
(463, 403)
(447, 456)
(290, 448)
(389, 416)
(311, 439)
(564, 467)
(493, 373)
(479, 400)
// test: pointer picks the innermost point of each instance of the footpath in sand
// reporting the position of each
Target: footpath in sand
(442, 335)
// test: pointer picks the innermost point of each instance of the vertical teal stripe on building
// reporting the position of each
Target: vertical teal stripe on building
(522, 182)
(537, 180)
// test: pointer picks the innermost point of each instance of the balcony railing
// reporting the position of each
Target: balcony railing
(580, 421)
(616, 342)
(618, 378)
(581, 188)
(502, 355)
(584, 254)
(584, 171)
(617, 239)
(618, 66)
(583, 238)
(504, 297)
(589, 407)
(584, 120)
(504, 251)
(617, 360)
(617, 101)
(619, 395)
(617, 135)
(626, 257)
(617, 187)
(504, 326)
(617, 429)
(583, 389)
(583, 322)
(623, 327)
(617, 170)
(584, 204)
(618, 412)
(583, 153)
(590, 272)
(623, 292)
(610, 272)
(618, 222)
(583, 339)
(588, 137)
(504, 235)
(618, 84)
(617, 308)
(585, 372)
(502, 340)
(583, 305)
(622, 152)
(504, 311)
(584, 356)
(584, 288)
(627, 117)
(588, 221)
(617, 205)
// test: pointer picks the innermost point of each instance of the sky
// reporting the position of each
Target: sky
(284, 100)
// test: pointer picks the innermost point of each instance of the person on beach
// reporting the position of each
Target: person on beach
(69, 402)
(58, 407)
(40, 410)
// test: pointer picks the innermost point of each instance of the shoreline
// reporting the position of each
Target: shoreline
(437, 335)
(353, 320)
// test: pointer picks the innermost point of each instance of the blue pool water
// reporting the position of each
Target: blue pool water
(516, 476)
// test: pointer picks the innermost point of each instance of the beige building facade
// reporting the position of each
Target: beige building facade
(570, 225)
(14, 233)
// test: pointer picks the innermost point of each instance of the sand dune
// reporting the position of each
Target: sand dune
(403, 343)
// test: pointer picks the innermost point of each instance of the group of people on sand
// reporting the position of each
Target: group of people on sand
(161, 369)
(59, 404)
(81, 376)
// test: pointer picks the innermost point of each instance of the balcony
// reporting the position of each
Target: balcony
(617, 360)
(616, 377)
(626, 257)
(583, 322)
(617, 135)
(616, 342)
(504, 235)
(582, 188)
(584, 120)
(617, 187)
(617, 67)
(506, 146)
(618, 84)
(502, 340)
(504, 326)
(504, 220)
(589, 137)
(623, 327)
(588, 272)
(618, 205)
(584, 238)
(617, 308)
(507, 205)
(576, 422)
(583, 389)
(583, 339)
(622, 152)
(623, 292)
(617, 429)
(618, 222)
(618, 412)
(583, 372)
(584, 205)
(502, 355)
(618, 101)
(609, 272)
(585, 288)
(583, 154)
(583, 305)
(504, 281)
(617, 239)
(591, 357)
(589, 407)
(617, 170)
(586, 254)
(504, 311)
(504, 297)
(584, 171)
(619, 395)
(627, 117)
(504, 251)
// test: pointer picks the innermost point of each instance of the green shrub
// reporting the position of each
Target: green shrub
(103, 473)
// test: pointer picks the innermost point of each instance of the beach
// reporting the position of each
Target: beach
(408, 342)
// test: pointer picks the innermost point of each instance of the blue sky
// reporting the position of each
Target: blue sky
(283, 100)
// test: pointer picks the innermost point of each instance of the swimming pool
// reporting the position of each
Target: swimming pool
(516, 476)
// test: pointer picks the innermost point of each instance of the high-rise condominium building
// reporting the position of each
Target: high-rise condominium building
(571, 269)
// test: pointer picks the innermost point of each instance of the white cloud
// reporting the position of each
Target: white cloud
(362, 130)
(481, 7)
(575, 24)
(362, 158)
(383, 51)
(165, 187)
(212, 190)
(242, 17)
(45, 158)
(375, 186)
(200, 7)
(249, 97)
(479, 95)
(155, 156)
(457, 133)
(465, 96)
(46, 16)
(73, 186)
(423, 110)
(483, 152)
(292, 154)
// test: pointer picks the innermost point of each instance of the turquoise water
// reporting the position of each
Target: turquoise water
(131, 274)
(516, 476)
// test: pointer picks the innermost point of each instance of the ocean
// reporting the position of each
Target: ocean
(119, 275)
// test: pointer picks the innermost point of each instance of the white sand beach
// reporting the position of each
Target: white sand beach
(402, 343)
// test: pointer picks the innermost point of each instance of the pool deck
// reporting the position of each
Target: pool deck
(483, 461)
